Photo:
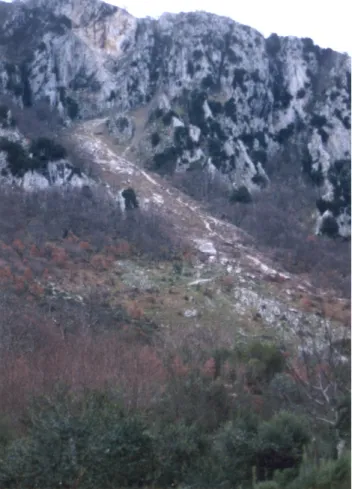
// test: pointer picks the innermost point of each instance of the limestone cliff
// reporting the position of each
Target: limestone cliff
(219, 95)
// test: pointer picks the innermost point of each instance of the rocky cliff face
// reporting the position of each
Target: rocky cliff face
(34, 164)
(218, 94)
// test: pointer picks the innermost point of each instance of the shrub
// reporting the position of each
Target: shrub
(6, 119)
(239, 77)
(285, 133)
(72, 108)
(155, 139)
(326, 205)
(87, 439)
(230, 109)
(208, 82)
(242, 195)
(267, 485)
(166, 160)
(259, 179)
(197, 54)
(121, 455)
(215, 107)
(6, 435)
(45, 149)
(263, 360)
(329, 227)
(194, 397)
(182, 138)
(215, 151)
(216, 129)
(280, 443)
(330, 474)
(318, 120)
(190, 68)
(179, 448)
(167, 118)
(47, 456)
(301, 93)
(343, 423)
(273, 44)
(234, 450)
(18, 159)
(196, 111)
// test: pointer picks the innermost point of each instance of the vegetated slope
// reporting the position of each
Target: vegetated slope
(186, 334)
(195, 333)
(238, 102)
(167, 222)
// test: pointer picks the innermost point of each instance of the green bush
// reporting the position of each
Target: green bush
(267, 485)
(166, 161)
(335, 474)
(196, 398)
(18, 159)
(179, 449)
(343, 424)
(6, 119)
(41, 151)
(242, 195)
(47, 457)
(72, 108)
(6, 434)
(263, 361)
(121, 456)
(280, 443)
(45, 149)
(155, 139)
(3, 113)
(86, 439)
(284, 477)
(329, 474)
(330, 227)
(234, 450)
(273, 44)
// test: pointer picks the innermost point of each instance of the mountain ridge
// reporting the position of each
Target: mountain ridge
(233, 101)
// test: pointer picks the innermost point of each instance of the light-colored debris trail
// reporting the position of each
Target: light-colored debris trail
(217, 240)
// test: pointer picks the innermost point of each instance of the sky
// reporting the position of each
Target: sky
(327, 22)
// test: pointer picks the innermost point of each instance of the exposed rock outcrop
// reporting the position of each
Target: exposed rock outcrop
(222, 96)
(34, 164)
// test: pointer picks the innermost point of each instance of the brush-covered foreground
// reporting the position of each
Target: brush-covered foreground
(191, 434)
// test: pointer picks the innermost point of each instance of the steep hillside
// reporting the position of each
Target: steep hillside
(162, 317)
(224, 98)
(210, 98)
(174, 253)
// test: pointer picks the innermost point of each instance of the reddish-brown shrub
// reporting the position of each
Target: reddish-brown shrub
(36, 290)
(227, 283)
(80, 361)
(209, 368)
(134, 310)
(19, 246)
(178, 367)
(28, 275)
(46, 274)
(306, 303)
(101, 262)
(19, 284)
(35, 251)
(84, 245)
(59, 256)
(5, 273)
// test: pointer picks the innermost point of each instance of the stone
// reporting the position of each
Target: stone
(190, 313)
